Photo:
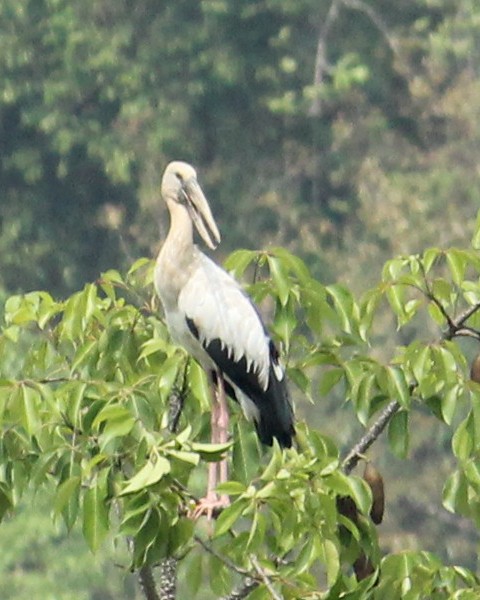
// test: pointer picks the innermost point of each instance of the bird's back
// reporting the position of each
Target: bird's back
(229, 328)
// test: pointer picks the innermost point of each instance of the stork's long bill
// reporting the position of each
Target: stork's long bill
(200, 213)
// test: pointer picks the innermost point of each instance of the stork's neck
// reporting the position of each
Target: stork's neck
(180, 235)
(177, 256)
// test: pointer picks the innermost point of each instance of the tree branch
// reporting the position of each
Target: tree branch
(457, 326)
(375, 19)
(266, 580)
(463, 317)
(222, 557)
(355, 454)
(147, 583)
(168, 566)
(241, 593)
(168, 578)
(321, 63)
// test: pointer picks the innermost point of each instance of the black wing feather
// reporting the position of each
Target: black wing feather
(274, 406)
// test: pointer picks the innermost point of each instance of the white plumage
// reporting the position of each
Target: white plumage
(209, 314)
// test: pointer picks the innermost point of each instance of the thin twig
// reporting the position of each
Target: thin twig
(463, 332)
(463, 317)
(369, 437)
(457, 326)
(375, 19)
(266, 580)
(241, 593)
(222, 557)
(441, 308)
(321, 63)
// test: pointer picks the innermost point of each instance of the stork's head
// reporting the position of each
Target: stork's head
(180, 185)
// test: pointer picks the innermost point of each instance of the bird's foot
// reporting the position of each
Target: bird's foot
(210, 506)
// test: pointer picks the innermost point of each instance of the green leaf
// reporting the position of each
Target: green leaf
(116, 428)
(239, 260)
(210, 451)
(449, 401)
(463, 441)
(246, 453)
(232, 488)
(138, 264)
(256, 537)
(198, 384)
(344, 305)
(83, 354)
(280, 279)
(229, 516)
(396, 298)
(442, 290)
(292, 262)
(455, 494)
(219, 576)
(24, 407)
(457, 263)
(153, 346)
(476, 234)
(398, 387)
(65, 492)
(194, 568)
(329, 379)
(6, 502)
(331, 559)
(398, 436)
(95, 516)
(148, 475)
(429, 258)
(190, 458)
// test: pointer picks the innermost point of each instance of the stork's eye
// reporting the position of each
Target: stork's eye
(179, 177)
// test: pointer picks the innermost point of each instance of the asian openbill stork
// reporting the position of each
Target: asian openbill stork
(209, 314)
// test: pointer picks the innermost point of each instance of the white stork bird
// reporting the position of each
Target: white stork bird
(209, 314)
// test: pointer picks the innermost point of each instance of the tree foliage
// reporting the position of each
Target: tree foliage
(85, 415)
(343, 130)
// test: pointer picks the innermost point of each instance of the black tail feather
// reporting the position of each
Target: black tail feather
(273, 404)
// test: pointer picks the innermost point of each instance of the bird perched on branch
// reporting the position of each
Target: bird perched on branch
(209, 314)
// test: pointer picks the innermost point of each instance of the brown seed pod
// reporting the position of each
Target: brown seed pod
(475, 369)
(347, 507)
(372, 476)
(363, 567)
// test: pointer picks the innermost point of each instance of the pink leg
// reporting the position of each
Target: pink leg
(219, 434)
(223, 420)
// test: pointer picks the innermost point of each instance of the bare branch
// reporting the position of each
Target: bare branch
(463, 332)
(264, 577)
(321, 63)
(147, 583)
(241, 593)
(168, 566)
(462, 318)
(369, 437)
(168, 579)
(375, 19)
(222, 557)
(441, 308)
(456, 327)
